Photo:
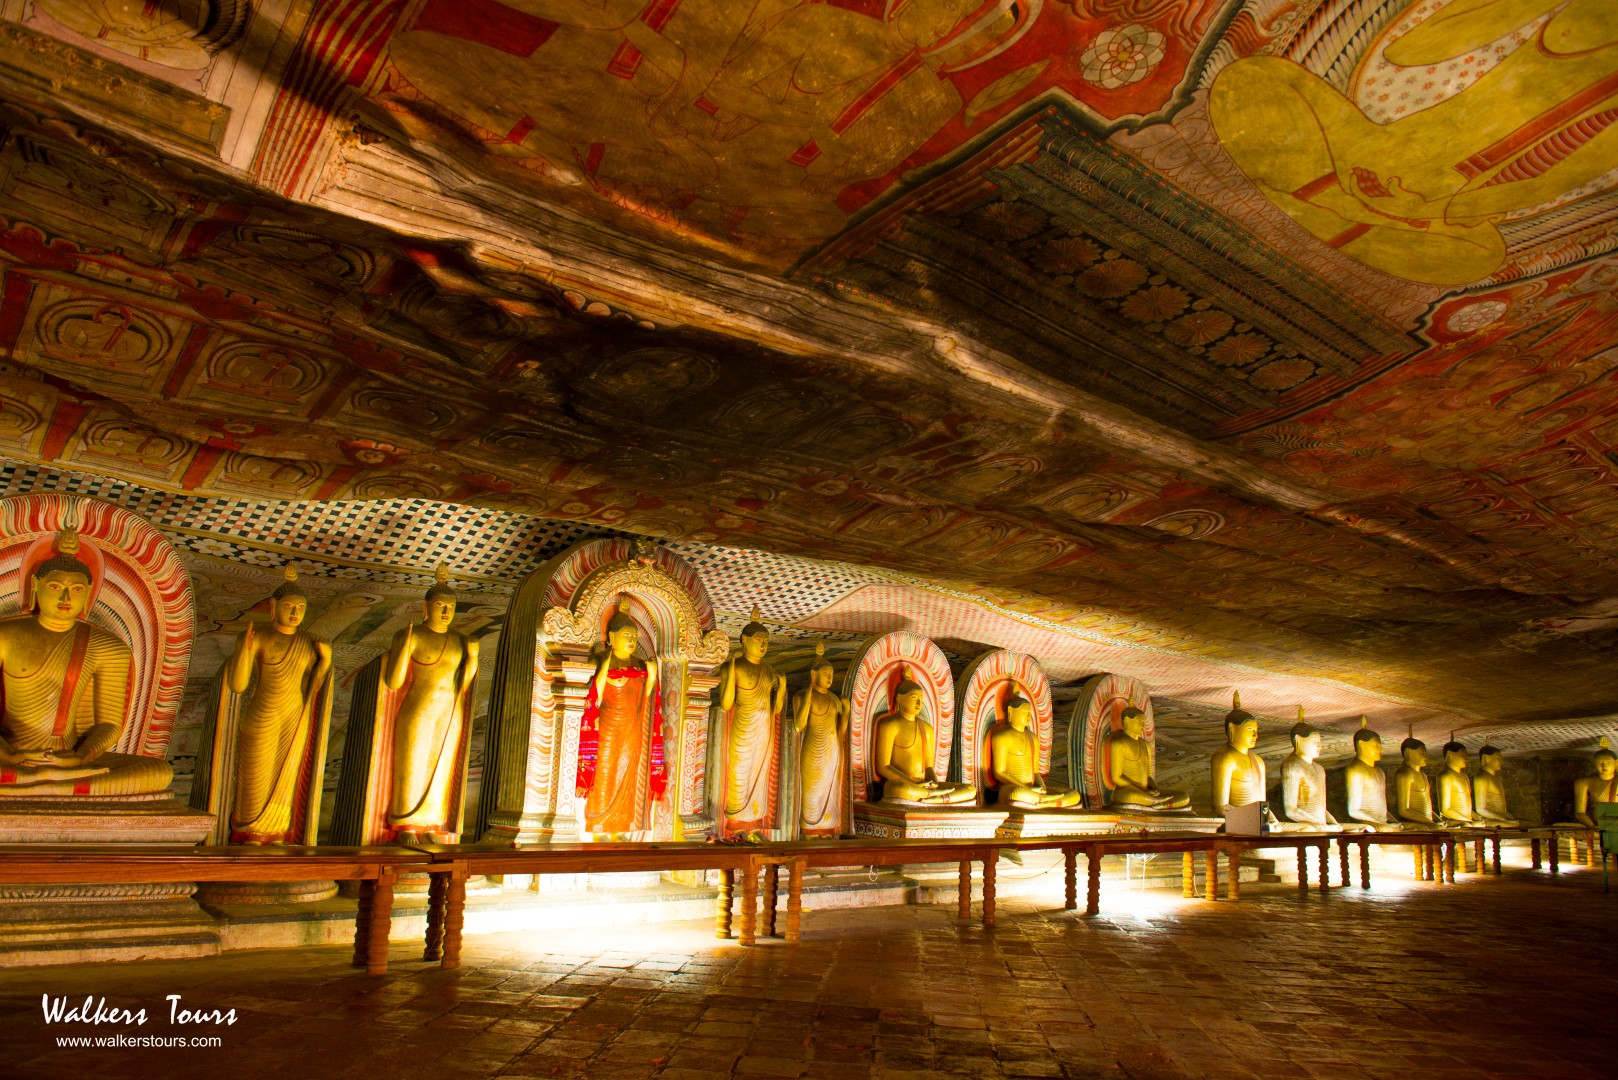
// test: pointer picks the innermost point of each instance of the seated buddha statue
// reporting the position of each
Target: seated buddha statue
(65, 684)
(1455, 788)
(1489, 790)
(1303, 782)
(1129, 769)
(1014, 760)
(1600, 788)
(1367, 786)
(904, 753)
(1413, 795)
(1238, 773)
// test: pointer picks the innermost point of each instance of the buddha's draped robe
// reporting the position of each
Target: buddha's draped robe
(822, 768)
(751, 775)
(429, 728)
(276, 739)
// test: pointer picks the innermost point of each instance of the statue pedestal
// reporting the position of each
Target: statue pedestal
(1036, 824)
(76, 924)
(1168, 821)
(909, 821)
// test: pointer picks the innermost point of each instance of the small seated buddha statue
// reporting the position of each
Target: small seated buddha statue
(64, 690)
(1413, 795)
(1238, 773)
(1367, 786)
(1303, 783)
(1489, 790)
(904, 753)
(1014, 759)
(1455, 788)
(1600, 788)
(1129, 769)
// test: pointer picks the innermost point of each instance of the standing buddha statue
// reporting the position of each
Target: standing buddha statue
(622, 768)
(903, 755)
(1413, 795)
(1303, 782)
(1238, 773)
(1489, 790)
(1600, 788)
(281, 734)
(820, 718)
(1367, 787)
(1129, 769)
(64, 689)
(752, 695)
(1014, 762)
(430, 671)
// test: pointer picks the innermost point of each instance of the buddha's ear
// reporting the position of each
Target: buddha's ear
(33, 593)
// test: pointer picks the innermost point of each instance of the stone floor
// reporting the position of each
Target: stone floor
(1500, 977)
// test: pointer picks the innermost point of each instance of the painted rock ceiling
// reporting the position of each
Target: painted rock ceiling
(1224, 343)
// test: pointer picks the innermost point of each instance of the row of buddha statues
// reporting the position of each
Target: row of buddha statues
(66, 683)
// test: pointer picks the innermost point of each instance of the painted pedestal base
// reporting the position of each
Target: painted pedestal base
(1035, 824)
(931, 822)
(74, 924)
(1173, 821)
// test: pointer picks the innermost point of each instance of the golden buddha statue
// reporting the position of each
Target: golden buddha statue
(904, 752)
(65, 684)
(1600, 788)
(820, 719)
(622, 769)
(1129, 769)
(1238, 773)
(1489, 790)
(1413, 795)
(752, 695)
(1367, 786)
(1014, 760)
(1455, 787)
(281, 734)
(435, 668)
(1303, 782)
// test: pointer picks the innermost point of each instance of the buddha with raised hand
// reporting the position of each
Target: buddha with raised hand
(1303, 782)
(1489, 790)
(1600, 788)
(1367, 786)
(1238, 773)
(1129, 769)
(903, 755)
(1413, 795)
(1014, 761)
(64, 690)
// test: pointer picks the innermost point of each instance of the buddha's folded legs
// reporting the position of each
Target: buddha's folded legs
(109, 774)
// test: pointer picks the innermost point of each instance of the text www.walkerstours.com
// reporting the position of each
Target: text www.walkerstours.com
(125, 1041)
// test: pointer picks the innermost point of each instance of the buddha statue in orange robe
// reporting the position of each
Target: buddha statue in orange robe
(622, 770)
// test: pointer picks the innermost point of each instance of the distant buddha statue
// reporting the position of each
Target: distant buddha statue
(1303, 782)
(622, 769)
(1600, 788)
(65, 686)
(1237, 772)
(281, 733)
(1367, 786)
(1014, 761)
(820, 718)
(433, 668)
(752, 696)
(1489, 790)
(904, 752)
(1413, 795)
(1455, 787)
(1129, 769)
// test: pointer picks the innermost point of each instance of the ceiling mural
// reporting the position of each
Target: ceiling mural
(1263, 337)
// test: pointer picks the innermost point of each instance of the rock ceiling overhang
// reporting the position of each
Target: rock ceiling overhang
(1043, 339)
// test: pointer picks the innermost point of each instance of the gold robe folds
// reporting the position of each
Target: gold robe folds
(820, 768)
(751, 759)
(429, 724)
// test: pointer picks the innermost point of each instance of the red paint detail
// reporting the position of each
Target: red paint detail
(1546, 125)
(333, 394)
(625, 62)
(70, 685)
(334, 483)
(1315, 187)
(519, 131)
(658, 13)
(202, 463)
(876, 92)
(64, 422)
(486, 22)
(8, 776)
(806, 153)
(13, 303)
(194, 341)
(391, 280)
(1349, 235)
(706, 106)
(592, 160)
(81, 787)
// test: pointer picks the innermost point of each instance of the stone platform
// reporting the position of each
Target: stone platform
(1038, 824)
(158, 818)
(1168, 821)
(911, 821)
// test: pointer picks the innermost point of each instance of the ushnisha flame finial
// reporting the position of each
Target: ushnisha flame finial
(756, 616)
(67, 538)
(623, 603)
(1363, 722)
(1300, 714)
(289, 573)
(1235, 699)
(441, 575)
(820, 647)
(1604, 742)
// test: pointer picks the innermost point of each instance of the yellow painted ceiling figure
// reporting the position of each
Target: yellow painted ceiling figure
(1419, 197)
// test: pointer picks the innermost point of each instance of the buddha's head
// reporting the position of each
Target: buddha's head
(1414, 751)
(924, 23)
(288, 604)
(438, 607)
(60, 585)
(1134, 722)
(1367, 744)
(909, 698)
(1455, 756)
(755, 639)
(1606, 762)
(820, 672)
(1490, 760)
(1241, 732)
(1019, 712)
(1305, 741)
(622, 633)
